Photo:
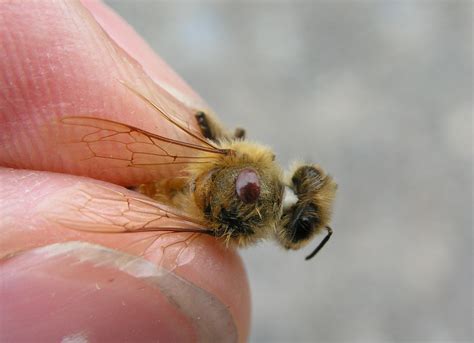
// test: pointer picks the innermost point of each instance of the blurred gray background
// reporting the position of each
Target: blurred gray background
(380, 94)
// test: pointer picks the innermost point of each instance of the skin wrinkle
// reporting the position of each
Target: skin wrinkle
(210, 318)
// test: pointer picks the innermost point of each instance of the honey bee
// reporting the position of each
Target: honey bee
(231, 189)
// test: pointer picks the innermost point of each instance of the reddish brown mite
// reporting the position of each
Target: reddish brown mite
(247, 185)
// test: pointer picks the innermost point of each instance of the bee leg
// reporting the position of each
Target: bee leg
(204, 126)
(239, 133)
(213, 130)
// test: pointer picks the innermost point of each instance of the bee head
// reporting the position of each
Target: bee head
(313, 193)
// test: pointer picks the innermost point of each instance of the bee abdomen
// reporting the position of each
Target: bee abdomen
(164, 190)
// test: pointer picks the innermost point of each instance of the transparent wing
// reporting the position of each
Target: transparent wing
(156, 232)
(96, 208)
(107, 139)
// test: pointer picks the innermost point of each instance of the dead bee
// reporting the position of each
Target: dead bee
(232, 189)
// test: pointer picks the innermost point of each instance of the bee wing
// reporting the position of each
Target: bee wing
(108, 139)
(96, 208)
(104, 210)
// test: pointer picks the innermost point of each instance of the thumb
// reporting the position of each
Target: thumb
(56, 60)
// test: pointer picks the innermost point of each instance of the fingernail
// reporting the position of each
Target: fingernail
(81, 292)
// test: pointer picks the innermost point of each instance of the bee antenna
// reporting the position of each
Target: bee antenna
(320, 245)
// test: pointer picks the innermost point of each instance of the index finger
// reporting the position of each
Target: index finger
(63, 63)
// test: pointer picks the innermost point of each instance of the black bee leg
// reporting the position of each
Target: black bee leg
(205, 126)
(239, 133)
(211, 129)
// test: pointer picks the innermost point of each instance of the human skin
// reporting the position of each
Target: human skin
(59, 59)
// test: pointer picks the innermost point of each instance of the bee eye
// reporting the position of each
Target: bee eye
(247, 185)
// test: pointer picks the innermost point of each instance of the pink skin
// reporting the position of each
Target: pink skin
(63, 59)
